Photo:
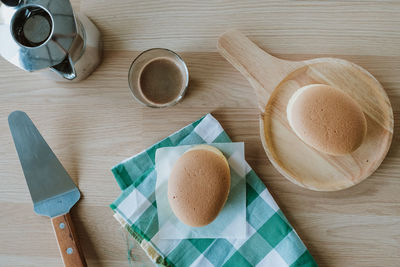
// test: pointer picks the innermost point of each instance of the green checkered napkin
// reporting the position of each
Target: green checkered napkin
(271, 240)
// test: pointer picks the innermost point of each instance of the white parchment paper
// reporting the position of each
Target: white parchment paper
(230, 223)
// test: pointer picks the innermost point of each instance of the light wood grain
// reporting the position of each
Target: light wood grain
(334, 27)
(262, 70)
(95, 124)
(275, 81)
(68, 242)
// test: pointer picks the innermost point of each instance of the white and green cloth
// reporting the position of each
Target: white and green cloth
(271, 240)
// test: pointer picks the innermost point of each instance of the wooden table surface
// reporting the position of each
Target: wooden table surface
(95, 124)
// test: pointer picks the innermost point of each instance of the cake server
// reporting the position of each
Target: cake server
(52, 191)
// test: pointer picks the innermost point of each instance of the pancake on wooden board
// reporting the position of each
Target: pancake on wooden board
(327, 119)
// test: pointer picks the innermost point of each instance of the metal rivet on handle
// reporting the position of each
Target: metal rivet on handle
(61, 225)
(69, 250)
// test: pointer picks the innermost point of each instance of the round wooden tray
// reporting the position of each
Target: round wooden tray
(275, 80)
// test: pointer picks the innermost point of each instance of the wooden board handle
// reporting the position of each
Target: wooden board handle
(262, 70)
(68, 244)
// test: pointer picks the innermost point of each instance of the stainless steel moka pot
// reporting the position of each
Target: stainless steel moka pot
(47, 35)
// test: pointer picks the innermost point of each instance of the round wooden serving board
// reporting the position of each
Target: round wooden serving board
(275, 80)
